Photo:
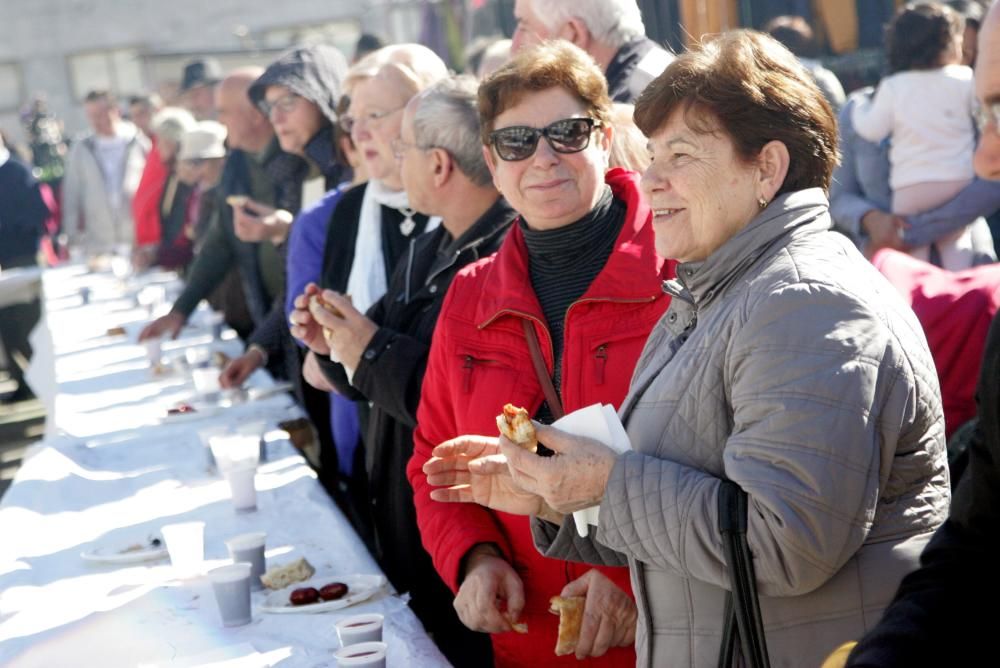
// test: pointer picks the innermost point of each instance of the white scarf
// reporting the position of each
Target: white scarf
(4, 155)
(367, 283)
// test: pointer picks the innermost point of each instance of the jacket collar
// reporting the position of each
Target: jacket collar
(788, 216)
(625, 277)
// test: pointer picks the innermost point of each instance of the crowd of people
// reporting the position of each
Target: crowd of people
(775, 284)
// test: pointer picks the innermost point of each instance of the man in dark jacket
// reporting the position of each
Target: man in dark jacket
(22, 221)
(299, 94)
(611, 31)
(384, 352)
(941, 614)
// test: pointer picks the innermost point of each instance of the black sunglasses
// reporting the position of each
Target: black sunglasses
(518, 142)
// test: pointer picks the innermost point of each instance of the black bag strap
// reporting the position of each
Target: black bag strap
(742, 604)
(548, 389)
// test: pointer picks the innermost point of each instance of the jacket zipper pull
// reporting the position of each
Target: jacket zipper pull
(602, 359)
(467, 375)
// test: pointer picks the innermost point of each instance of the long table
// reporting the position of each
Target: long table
(113, 468)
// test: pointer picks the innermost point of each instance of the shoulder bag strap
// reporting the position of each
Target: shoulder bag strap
(551, 396)
(745, 606)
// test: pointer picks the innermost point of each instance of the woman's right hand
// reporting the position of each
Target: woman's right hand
(304, 326)
(470, 469)
(488, 580)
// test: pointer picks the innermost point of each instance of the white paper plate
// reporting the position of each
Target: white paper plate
(359, 588)
(120, 554)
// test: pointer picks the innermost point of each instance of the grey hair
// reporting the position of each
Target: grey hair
(614, 22)
(447, 117)
(172, 123)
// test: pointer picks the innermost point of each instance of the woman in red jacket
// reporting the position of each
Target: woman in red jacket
(578, 273)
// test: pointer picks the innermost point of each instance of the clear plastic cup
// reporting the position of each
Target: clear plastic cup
(206, 380)
(235, 450)
(186, 545)
(154, 351)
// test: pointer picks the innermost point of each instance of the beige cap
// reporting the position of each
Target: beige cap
(206, 140)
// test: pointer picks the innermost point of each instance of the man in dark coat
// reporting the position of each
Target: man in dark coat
(22, 220)
(384, 352)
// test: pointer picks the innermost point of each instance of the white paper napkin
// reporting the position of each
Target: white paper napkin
(600, 422)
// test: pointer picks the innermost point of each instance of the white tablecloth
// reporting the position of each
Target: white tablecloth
(113, 471)
(18, 286)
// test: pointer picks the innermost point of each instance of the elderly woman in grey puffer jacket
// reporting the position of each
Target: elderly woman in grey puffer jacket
(785, 363)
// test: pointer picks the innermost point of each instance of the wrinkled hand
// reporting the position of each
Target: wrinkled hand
(572, 479)
(314, 375)
(347, 336)
(609, 614)
(255, 222)
(304, 327)
(171, 324)
(884, 229)
(240, 368)
(470, 469)
(489, 583)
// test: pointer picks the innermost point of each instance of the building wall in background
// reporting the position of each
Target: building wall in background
(62, 48)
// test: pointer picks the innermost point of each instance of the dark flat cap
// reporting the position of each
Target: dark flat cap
(202, 72)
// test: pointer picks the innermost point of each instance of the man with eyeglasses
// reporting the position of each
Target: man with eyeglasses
(611, 31)
(935, 619)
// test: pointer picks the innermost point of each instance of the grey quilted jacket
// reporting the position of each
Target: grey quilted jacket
(787, 364)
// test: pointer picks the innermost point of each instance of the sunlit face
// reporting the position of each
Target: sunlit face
(200, 101)
(377, 111)
(241, 118)
(987, 157)
(142, 115)
(295, 119)
(701, 193)
(530, 30)
(101, 115)
(415, 167)
(550, 189)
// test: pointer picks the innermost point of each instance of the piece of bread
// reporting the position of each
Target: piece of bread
(289, 574)
(570, 611)
(237, 200)
(317, 301)
(515, 424)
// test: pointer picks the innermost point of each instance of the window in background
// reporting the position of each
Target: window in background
(117, 70)
(10, 86)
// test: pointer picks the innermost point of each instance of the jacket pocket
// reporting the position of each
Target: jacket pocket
(485, 371)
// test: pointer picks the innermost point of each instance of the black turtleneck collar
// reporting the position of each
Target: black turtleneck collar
(554, 250)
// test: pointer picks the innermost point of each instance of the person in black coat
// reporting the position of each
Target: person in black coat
(22, 222)
(383, 354)
(942, 614)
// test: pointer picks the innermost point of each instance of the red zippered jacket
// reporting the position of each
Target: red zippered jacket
(479, 361)
(955, 309)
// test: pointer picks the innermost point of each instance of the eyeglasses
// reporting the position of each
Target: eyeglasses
(347, 122)
(518, 142)
(986, 114)
(400, 147)
(285, 104)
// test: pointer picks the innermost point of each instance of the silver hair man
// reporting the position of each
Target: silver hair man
(447, 117)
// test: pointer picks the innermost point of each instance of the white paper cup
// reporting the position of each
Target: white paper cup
(205, 435)
(367, 654)
(249, 548)
(186, 545)
(206, 380)
(360, 628)
(241, 484)
(231, 585)
(198, 356)
(154, 351)
(235, 450)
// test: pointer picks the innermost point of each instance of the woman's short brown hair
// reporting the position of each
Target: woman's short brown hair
(752, 88)
(549, 65)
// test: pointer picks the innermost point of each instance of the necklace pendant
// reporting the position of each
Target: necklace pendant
(407, 226)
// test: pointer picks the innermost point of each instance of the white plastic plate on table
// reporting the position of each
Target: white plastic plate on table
(359, 588)
(117, 553)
